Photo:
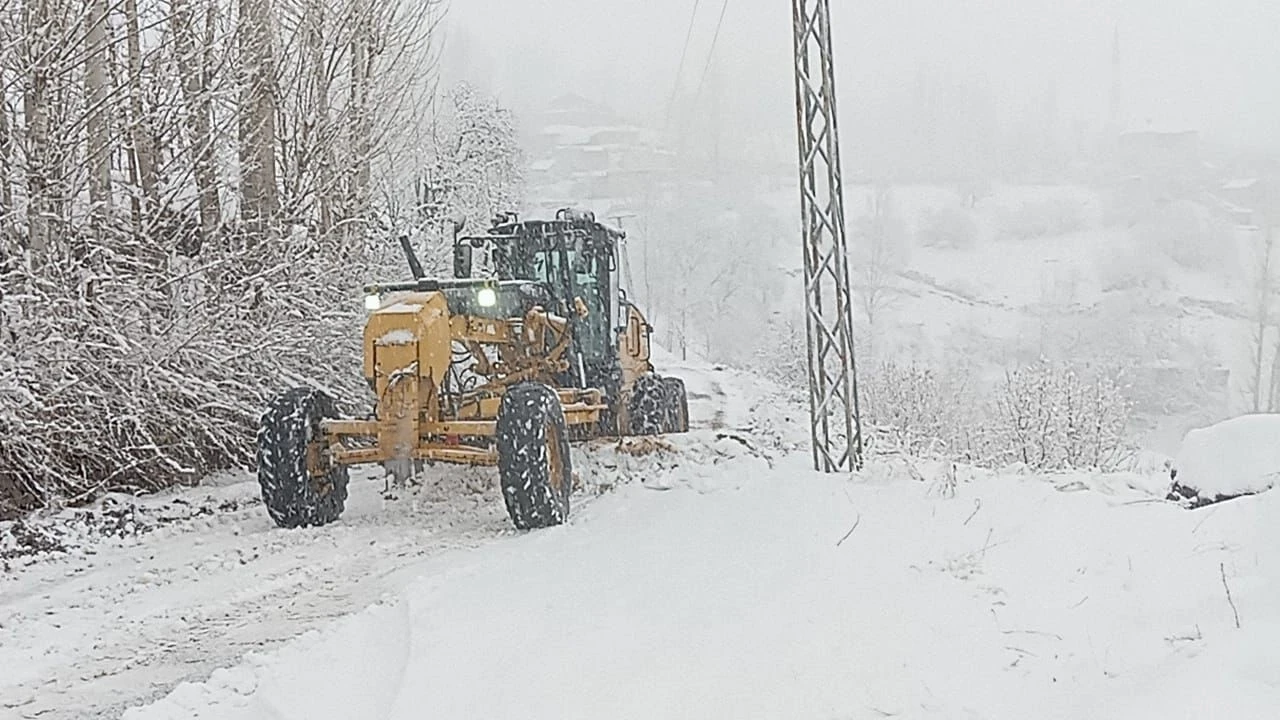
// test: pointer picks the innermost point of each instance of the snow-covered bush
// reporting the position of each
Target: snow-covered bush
(139, 350)
(1047, 416)
(913, 408)
(1042, 218)
(948, 227)
(113, 386)
(1053, 418)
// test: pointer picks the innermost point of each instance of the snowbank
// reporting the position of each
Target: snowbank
(754, 589)
(1240, 456)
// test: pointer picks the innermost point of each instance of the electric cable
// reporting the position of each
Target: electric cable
(711, 53)
(684, 53)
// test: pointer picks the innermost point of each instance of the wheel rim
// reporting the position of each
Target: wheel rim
(555, 460)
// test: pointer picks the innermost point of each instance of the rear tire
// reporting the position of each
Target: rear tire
(647, 407)
(534, 466)
(293, 498)
(677, 404)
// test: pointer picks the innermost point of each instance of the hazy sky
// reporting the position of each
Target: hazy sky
(1209, 64)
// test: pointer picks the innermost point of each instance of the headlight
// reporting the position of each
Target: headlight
(372, 302)
(486, 297)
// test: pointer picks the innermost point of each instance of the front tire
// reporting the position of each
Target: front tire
(293, 497)
(677, 405)
(534, 466)
(647, 407)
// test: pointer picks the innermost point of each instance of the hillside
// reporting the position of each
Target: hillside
(1056, 271)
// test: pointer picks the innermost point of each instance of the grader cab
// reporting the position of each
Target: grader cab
(502, 370)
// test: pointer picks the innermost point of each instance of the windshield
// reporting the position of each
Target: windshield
(590, 280)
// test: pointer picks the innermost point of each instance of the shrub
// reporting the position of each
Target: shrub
(1045, 416)
(124, 385)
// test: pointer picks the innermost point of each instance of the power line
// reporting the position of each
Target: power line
(675, 90)
(711, 54)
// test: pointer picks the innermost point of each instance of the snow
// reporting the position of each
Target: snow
(705, 575)
(1234, 457)
(732, 595)
(402, 307)
(397, 337)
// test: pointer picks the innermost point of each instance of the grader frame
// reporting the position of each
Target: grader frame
(412, 421)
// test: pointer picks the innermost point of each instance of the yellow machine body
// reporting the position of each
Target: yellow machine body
(409, 349)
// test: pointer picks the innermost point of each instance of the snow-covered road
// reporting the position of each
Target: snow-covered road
(90, 634)
(116, 622)
(749, 587)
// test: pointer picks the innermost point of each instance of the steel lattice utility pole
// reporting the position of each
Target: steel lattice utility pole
(836, 428)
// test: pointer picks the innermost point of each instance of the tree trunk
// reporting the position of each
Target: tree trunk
(1262, 316)
(195, 92)
(97, 121)
(35, 109)
(359, 130)
(143, 156)
(6, 150)
(316, 146)
(1273, 388)
(257, 120)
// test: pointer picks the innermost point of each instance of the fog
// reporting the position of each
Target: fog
(1186, 64)
(1087, 182)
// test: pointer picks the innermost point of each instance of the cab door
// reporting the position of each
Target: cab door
(634, 348)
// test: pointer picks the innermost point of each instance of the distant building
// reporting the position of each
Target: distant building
(580, 151)
(1155, 167)
(577, 111)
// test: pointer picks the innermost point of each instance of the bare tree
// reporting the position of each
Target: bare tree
(879, 254)
(474, 170)
(6, 137)
(199, 113)
(142, 156)
(259, 200)
(363, 51)
(39, 27)
(1262, 300)
(97, 95)
(322, 103)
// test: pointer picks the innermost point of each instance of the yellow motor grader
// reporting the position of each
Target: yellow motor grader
(503, 370)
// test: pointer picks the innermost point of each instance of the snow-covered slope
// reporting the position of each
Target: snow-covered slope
(716, 576)
(755, 592)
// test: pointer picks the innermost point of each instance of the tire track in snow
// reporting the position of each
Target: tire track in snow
(128, 624)
(90, 635)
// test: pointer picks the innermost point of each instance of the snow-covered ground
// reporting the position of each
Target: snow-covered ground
(717, 577)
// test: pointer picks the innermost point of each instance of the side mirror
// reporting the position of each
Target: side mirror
(462, 260)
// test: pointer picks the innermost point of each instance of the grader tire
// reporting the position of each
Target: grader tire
(677, 405)
(647, 408)
(534, 467)
(293, 498)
